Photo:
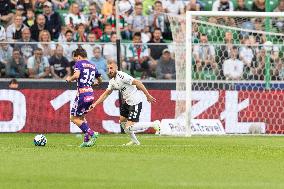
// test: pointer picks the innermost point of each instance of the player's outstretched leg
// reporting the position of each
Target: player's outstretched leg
(143, 126)
(135, 127)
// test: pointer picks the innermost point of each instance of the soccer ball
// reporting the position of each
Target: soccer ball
(40, 140)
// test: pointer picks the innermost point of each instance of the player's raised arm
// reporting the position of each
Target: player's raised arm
(75, 76)
(141, 87)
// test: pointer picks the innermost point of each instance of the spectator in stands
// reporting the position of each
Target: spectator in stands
(258, 6)
(158, 19)
(107, 8)
(258, 24)
(89, 47)
(53, 20)
(59, 65)
(27, 4)
(138, 57)
(110, 50)
(241, 6)
(233, 67)
(2, 33)
(60, 4)
(6, 15)
(30, 19)
(123, 25)
(13, 84)
(80, 35)
(69, 47)
(107, 32)
(100, 62)
(224, 51)
(45, 44)
(25, 48)
(61, 37)
(223, 5)
(256, 69)
(94, 21)
(39, 26)
(125, 6)
(173, 7)
(246, 55)
(38, 66)
(137, 22)
(74, 17)
(193, 5)
(279, 22)
(6, 52)
(155, 51)
(20, 11)
(16, 66)
(39, 5)
(166, 66)
(277, 63)
(14, 31)
(204, 56)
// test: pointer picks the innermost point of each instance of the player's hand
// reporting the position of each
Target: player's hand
(91, 108)
(151, 99)
(68, 79)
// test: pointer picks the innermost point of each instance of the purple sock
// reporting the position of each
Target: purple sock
(86, 137)
(85, 128)
(90, 132)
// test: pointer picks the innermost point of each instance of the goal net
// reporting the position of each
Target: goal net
(230, 72)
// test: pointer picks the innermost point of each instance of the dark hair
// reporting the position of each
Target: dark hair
(13, 81)
(16, 49)
(138, 4)
(158, 2)
(159, 29)
(68, 31)
(112, 33)
(137, 34)
(107, 24)
(80, 52)
(38, 49)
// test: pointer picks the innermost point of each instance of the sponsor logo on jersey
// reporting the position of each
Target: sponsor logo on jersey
(88, 98)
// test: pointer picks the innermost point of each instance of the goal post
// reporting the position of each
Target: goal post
(232, 73)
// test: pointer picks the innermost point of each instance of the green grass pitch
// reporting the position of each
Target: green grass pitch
(231, 162)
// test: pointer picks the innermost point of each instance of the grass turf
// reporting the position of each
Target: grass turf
(229, 162)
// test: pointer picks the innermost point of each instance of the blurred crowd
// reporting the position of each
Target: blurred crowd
(37, 38)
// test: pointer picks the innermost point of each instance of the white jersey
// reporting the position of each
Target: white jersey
(123, 83)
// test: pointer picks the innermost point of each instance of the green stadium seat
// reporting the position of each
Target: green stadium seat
(248, 4)
(273, 4)
(208, 4)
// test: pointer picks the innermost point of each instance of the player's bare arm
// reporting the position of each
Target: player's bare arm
(75, 76)
(141, 87)
(100, 99)
(98, 82)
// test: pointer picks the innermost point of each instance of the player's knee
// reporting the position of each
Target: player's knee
(126, 129)
(72, 119)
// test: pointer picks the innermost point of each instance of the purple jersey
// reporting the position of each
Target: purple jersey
(88, 73)
(84, 98)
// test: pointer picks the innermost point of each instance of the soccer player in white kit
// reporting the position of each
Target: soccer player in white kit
(131, 108)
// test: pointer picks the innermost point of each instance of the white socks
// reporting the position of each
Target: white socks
(134, 138)
(136, 128)
(140, 127)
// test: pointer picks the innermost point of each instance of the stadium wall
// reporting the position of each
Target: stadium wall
(43, 107)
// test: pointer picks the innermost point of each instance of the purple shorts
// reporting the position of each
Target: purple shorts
(81, 104)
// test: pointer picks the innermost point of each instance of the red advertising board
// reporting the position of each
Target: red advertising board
(45, 110)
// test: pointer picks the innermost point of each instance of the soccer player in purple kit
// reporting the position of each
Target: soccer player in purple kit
(86, 75)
